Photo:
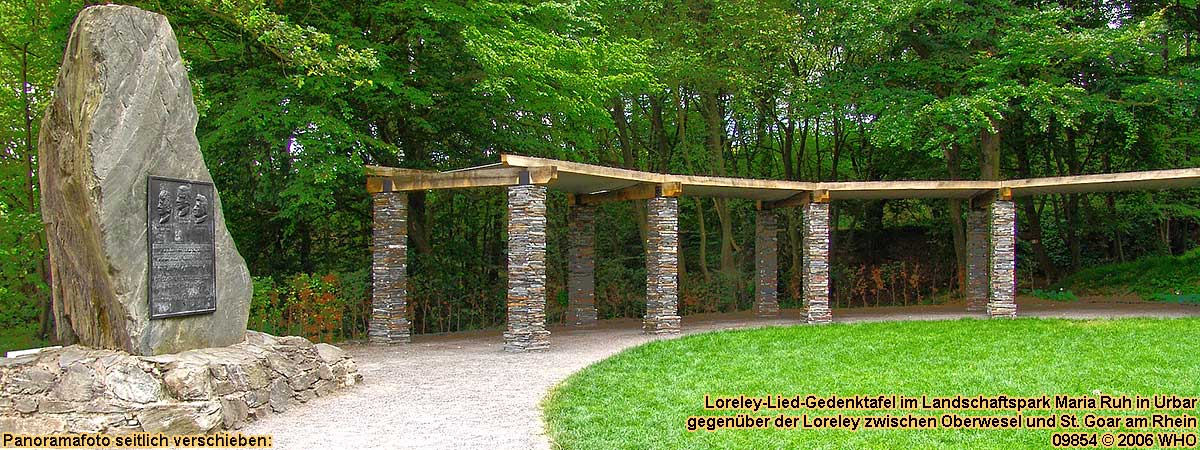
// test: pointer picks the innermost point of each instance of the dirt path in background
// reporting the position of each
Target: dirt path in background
(461, 391)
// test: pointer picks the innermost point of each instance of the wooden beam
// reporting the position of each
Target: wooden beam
(1107, 182)
(636, 192)
(382, 171)
(984, 199)
(502, 176)
(800, 199)
(376, 185)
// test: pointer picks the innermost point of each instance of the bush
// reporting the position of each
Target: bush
(326, 308)
(1150, 277)
(1060, 295)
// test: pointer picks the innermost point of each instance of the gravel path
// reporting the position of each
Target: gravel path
(461, 391)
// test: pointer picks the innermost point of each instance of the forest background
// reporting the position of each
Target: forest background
(296, 97)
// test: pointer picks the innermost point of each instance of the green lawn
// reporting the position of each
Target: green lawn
(642, 397)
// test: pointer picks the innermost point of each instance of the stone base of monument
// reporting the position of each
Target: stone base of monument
(82, 390)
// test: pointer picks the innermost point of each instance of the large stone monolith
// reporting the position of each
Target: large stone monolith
(123, 111)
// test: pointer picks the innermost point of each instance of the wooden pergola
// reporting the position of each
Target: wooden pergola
(991, 233)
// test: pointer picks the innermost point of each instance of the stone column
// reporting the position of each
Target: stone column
(389, 305)
(581, 282)
(978, 244)
(816, 255)
(1002, 302)
(526, 269)
(766, 263)
(662, 266)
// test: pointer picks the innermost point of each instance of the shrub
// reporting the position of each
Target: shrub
(1060, 295)
(327, 307)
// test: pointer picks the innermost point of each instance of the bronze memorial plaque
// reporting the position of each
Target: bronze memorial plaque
(183, 253)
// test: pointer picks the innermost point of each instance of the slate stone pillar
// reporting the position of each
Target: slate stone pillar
(978, 253)
(766, 263)
(1002, 302)
(816, 267)
(526, 269)
(389, 305)
(662, 266)
(581, 278)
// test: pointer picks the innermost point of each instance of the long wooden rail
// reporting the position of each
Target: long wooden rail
(598, 184)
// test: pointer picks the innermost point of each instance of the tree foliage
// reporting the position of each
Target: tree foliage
(296, 97)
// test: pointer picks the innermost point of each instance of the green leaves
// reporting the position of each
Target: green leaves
(303, 47)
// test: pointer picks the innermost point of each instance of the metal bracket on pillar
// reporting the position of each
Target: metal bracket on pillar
(820, 196)
(801, 199)
(376, 185)
(986, 198)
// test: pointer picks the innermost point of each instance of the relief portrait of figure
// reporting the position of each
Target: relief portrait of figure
(183, 201)
(200, 209)
(163, 207)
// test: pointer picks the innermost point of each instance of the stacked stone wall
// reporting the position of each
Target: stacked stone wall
(1003, 260)
(389, 306)
(662, 266)
(978, 253)
(581, 283)
(82, 390)
(766, 263)
(526, 269)
(816, 256)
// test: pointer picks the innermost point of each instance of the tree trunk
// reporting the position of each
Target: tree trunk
(1033, 229)
(703, 241)
(989, 157)
(714, 123)
(954, 168)
(46, 323)
(1072, 207)
(785, 146)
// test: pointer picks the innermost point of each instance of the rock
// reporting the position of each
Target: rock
(325, 387)
(324, 372)
(224, 387)
(101, 406)
(31, 380)
(249, 376)
(329, 353)
(25, 405)
(73, 355)
(130, 383)
(281, 395)
(181, 418)
(218, 371)
(51, 406)
(78, 384)
(32, 425)
(260, 339)
(305, 395)
(94, 424)
(123, 110)
(303, 381)
(234, 412)
(258, 397)
(189, 382)
(295, 341)
(284, 366)
(348, 371)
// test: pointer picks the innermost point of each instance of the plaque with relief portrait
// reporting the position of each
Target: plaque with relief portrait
(182, 247)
